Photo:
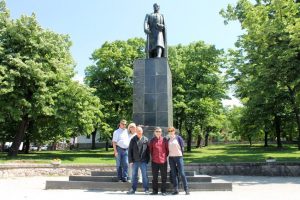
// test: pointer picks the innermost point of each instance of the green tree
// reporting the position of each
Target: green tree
(198, 86)
(112, 77)
(36, 90)
(76, 112)
(268, 59)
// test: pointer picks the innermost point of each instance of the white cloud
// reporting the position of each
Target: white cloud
(79, 78)
(232, 102)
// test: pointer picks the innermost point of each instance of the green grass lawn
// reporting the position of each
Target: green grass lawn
(210, 154)
(241, 153)
(67, 157)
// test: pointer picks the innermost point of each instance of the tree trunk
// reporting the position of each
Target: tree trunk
(94, 133)
(277, 123)
(250, 140)
(72, 145)
(296, 111)
(106, 145)
(206, 138)
(266, 138)
(54, 146)
(3, 145)
(199, 140)
(26, 147)
(14, 149)
(189, 140)
(27, 144)
(180, 126)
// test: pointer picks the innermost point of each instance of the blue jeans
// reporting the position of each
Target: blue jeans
(134, 179)
(177, 169)
(122, 164)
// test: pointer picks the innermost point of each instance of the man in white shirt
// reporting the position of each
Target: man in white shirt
(120, 142)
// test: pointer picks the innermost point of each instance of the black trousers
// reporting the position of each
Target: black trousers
(163, 173)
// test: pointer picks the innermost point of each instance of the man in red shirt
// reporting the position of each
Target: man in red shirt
(159, 151)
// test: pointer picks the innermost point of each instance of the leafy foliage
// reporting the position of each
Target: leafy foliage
(198, 87)
(36, 87)
(265, 68)
(112, 77)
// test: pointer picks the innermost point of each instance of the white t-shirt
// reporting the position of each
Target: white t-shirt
(174, 147)
(121, 137)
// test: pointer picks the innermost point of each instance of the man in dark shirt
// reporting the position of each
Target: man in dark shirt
(159, 151)
(139, 156)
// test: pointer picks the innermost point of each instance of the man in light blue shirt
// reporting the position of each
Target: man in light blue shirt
(120, 142)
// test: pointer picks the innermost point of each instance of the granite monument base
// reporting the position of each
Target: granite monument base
(152, 94)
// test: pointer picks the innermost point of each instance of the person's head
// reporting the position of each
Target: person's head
(123, 124)
(157, 132)
(171, 131)
(132, 128)
(156, 7)
(139, 132)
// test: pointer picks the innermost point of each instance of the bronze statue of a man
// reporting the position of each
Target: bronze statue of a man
(154, 27)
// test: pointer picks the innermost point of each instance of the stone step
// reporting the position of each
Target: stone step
(113, 173)
(196, 178)
(119, 186)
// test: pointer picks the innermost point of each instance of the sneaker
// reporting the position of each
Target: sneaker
(164, 193)
(187, 192)
(175, 193)
(153, 193)
(147, 192)
(120, 181)
(131, 191)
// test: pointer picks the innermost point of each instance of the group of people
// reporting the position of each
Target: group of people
(133, 152)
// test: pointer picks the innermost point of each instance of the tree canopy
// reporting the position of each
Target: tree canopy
(111, 76)
(265, 67)
(36, 86)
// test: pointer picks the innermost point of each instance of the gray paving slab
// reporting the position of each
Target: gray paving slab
(246, 188)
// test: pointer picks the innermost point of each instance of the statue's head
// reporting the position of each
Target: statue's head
(156, 7)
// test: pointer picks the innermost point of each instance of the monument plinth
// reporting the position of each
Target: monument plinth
(152, 94)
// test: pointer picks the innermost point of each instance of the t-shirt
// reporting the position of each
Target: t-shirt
(174, 147)
(121, 137)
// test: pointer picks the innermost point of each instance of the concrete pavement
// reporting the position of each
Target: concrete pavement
(244, 188)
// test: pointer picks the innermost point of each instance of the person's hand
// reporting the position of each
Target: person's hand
(147, 31)
(160, 27)
(116, 154)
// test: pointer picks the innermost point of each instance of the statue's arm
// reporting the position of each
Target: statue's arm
(146, 25)
(162, 25)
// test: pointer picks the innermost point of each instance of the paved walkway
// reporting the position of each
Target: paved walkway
(244, 188)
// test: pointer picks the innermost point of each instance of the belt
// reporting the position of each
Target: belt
(122, 148)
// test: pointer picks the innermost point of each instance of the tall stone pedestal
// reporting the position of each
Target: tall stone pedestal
(152, 94)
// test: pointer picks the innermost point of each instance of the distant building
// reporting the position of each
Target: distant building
(85, 142)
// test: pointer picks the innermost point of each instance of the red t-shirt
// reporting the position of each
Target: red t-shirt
(159, 150)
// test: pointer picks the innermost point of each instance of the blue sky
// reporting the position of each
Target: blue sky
(92, 22)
